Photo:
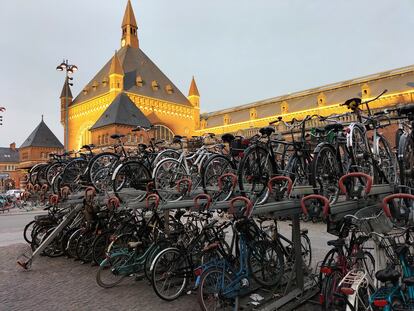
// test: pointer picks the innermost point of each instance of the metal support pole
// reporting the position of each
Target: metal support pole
(298, 251)
(54, 233)
(67, 113)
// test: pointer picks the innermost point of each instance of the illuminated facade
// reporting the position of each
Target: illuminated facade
(131, 73)
(248, 119)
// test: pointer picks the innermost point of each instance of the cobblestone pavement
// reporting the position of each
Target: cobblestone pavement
(62, 284)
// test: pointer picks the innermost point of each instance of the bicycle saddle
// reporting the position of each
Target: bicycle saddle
(228, 138)
(388, 274)
(336, 127)
(117, 136)
(268, 130)
(143, 146)
(336, 243)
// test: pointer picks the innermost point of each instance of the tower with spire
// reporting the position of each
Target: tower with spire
(116, 75)
(194, 98)
(129, 77)
(65, 96)
(129, 28)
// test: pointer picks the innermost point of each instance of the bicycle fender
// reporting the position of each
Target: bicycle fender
(116, 171)
(323, 144)
(160, 253)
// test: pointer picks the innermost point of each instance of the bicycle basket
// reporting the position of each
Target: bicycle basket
(194, 144)
(382, 224)
(391, 242)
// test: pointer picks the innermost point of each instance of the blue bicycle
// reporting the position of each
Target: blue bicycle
(222, 280)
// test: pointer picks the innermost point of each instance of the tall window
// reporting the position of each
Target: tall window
(163, 132)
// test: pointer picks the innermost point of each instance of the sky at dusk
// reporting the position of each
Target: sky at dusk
(239, 51)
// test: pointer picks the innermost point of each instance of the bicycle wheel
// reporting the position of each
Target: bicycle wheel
(53, 249)
(266, 263)
(72, 243)
(306, 249)
(328, 260)
(326, 173)
(361, 153)
(53, 170)
(296, 171)
(27, 232)
(131, 178)
(254, 172)
(99, 246)
(165, 175)
(108, 274)
(331, 298)
(149, 259)
(165, 154)
(406, 162)
(170, 272)
(386, 162)
(100, 170)
(214, 167)
(213, 282)
(72, 173)
(84, 246)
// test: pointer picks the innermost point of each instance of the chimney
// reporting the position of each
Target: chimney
(13, 146)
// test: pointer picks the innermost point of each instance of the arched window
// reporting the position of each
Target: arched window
(162, 132)
(99, 140)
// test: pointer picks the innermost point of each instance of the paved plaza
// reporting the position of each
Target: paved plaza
(63, 284)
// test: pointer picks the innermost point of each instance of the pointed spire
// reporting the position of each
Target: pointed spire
(66, 88)
(129, 28)
(129, 16)
(193, 89)
(116, 67)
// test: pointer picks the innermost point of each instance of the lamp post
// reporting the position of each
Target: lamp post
(70, 69)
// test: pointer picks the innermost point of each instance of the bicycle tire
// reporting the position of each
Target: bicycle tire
(211, 285)
(174, 266)
(266, 271)
(110, 265)
(214, 167)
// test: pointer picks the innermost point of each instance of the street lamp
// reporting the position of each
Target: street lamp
(70, 69)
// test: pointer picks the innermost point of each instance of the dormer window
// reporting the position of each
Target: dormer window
(284, 107)
(169, 89)
(253, 113)
(321, 100)
(95, 85)
(85, 91)
(365, 91)
(139, 81)
(155, 85)
(105, 82)
(226, 119)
